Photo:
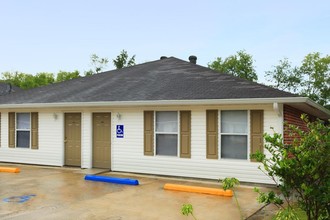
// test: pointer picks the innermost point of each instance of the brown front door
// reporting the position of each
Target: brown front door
(72, 139)
(102, 140)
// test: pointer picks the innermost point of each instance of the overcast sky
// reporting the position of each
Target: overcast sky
(48, 36)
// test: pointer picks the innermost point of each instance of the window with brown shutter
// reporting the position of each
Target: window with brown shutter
(234, 133)
(185, 134)
(166, 133)
(212, 134)
(0, 129)
(23, 130)
(256, 131)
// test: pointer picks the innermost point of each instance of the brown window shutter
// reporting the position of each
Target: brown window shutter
(185, 134)
(257, 131)
(34, 130)
(0, 129)
(212, 134)
(148, 133)
(11, 129)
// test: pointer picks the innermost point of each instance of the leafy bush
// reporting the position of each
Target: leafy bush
(301, 170)
(230, 183)
(187, 209)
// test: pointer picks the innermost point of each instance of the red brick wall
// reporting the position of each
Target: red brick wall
(292, 116)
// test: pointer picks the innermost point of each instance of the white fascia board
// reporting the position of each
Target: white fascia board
(318, 106)
(159, 103)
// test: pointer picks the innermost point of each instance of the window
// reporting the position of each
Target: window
(166, 133)
(23, 126)
(234, 134)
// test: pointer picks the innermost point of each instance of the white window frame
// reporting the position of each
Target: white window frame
(177, 133)
(247, 134)
(17, 129)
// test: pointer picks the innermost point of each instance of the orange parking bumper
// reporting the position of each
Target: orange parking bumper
(197, 189)
(10, 169)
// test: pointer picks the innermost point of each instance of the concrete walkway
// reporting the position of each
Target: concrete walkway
(62, 193)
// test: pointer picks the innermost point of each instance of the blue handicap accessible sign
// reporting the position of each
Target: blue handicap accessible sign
(120, 131)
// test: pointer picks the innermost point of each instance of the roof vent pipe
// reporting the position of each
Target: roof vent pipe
(193, 59)
(163, 57)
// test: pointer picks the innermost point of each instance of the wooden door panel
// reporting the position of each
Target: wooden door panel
(72, 139)
(102, 140)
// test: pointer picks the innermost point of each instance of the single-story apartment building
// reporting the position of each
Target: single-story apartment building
(166, 117)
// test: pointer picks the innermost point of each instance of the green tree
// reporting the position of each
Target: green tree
(122, 60)
(63, 75)
(300, 169)
(14, 78)
(284, 76)
(27, 81)
(42, 79)
(98, 64)
(316, 78)
(240, 65)
(311, 78)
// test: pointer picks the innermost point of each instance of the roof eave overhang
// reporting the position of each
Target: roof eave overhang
(201, 102)
(158, 102)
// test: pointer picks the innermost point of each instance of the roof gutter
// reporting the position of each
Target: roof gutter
(317, 106)
(161, 103)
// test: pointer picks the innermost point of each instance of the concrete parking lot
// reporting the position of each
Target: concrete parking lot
(40, 192)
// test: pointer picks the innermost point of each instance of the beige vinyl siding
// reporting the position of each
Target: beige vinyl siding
(198, 138)
(50, 142)
(127, 154)
(272, 120)
(129, 150)
(86, 139)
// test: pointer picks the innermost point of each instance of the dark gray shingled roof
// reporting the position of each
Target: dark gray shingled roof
(166, 79)
(6, 88)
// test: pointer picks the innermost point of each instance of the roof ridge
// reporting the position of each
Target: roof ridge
(162, 79)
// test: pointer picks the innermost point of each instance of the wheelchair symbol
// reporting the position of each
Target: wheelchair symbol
(120, 131)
